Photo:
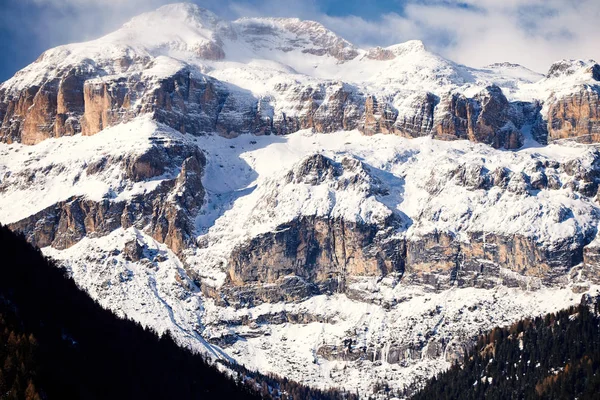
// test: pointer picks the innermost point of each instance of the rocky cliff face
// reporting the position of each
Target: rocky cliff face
(312, 256)
(183, 101)
(486, 260)
(382, 117)
(492, 122)
(86, 88)
(486, 118)
(317, 253)
(30, 116)
(572, 108)
(193, 103)
(165, 213)
(53, 104)
(324, 107)
(576, 115)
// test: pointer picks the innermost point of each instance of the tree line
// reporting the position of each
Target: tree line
(552, 357)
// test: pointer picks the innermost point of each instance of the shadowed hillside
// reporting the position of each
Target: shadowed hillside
(57, 343)
(551, 357)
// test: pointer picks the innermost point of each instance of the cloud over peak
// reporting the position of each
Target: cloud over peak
(534, 33)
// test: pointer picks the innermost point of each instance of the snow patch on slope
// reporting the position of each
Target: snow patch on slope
(154, 291)
(417, 179)
(449, 316)
(35, 177)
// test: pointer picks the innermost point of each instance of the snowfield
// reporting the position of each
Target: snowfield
(408, 168)
(35, 177)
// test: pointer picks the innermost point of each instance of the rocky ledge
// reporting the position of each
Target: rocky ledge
(166, 213)
(77, 101)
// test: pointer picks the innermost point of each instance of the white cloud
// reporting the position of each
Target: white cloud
(531, 32)
(534, 33)
(87, 3)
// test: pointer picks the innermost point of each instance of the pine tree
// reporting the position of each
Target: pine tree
(31, 392)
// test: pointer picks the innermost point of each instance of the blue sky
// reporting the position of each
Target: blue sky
(474, 32)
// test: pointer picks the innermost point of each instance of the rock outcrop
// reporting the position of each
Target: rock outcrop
(166, 213)
(312, 256)
(419, 122)
(416, 121)
(29, 116)
(325, 108)
(194, 103)
(486, 260)
(187, 101)
(486, 118)
(395, 353)
(379, 117)
(576, 115)
(491, 121)
(567, 68)
(320, 253)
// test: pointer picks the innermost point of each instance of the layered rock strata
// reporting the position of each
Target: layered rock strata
(165, 213)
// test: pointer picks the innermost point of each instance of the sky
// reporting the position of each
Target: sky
(534, 33)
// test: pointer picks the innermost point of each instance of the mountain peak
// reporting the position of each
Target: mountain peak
(176, 16)
(504, 64)
(413, 45)
(184, 12)
(564, 68)
(174, 29)
(293, 33)
(391, 52)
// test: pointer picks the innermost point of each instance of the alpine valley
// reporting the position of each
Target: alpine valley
(276, 196)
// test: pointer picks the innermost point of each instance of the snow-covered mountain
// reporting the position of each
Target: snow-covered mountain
(276, 195)
(200, 74)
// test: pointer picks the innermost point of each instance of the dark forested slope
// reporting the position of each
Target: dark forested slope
(57, 343)
(554, 357)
